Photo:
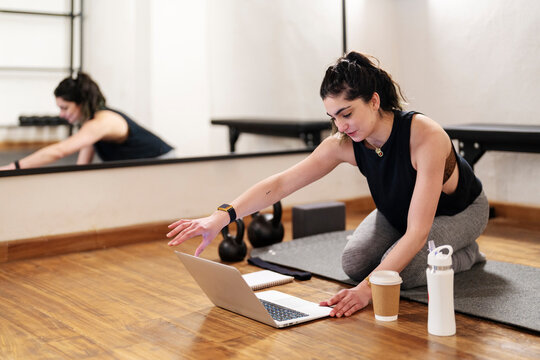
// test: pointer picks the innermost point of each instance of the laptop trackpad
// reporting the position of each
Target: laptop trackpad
(283, 299)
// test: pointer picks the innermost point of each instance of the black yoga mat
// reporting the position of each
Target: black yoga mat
(497, 291)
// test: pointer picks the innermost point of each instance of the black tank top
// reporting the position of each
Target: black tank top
(391, 178)
(140, 144)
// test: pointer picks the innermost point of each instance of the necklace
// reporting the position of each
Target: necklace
(378, 150)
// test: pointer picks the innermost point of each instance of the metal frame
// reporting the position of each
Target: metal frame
(307, 130)
(344, 25)
(71, 15)
(475, 139)
(144, 162)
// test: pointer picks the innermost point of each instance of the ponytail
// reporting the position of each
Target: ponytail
(83, 91)
(357, 76)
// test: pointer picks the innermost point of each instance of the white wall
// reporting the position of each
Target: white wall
(461, 61)
(90, 200)
(117, 48)
(180, 97)
(481, 65)
(174, 64)
(267, 60)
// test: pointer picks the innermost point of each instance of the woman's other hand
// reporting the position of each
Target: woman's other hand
(349, 301)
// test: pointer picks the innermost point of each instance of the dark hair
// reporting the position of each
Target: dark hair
(358, 77)
(83, 91)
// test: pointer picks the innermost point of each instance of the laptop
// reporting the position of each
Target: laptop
(226, 288)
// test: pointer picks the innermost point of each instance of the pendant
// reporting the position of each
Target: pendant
(379, 152)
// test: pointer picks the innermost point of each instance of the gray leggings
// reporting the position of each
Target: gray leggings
(375, 237)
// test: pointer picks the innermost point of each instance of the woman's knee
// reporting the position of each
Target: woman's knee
(366, 246)
(355, 266)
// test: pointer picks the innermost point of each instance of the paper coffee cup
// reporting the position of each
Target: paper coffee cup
(385, 285)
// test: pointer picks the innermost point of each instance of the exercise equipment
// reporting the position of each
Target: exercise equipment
(266, 229)
(233, 247)
(317, 218)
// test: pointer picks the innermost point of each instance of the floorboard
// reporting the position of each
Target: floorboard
(138, 302)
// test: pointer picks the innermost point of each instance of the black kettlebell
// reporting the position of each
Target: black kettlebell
(266, 229)
(233, 248)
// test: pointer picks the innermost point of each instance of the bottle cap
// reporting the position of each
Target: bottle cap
(438, 258)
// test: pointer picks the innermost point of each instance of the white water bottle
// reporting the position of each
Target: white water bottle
(440, 284)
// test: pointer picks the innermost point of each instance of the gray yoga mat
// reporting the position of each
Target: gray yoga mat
(497, 291)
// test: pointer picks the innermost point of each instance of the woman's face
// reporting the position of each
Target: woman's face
(354, 118)
(69, 110)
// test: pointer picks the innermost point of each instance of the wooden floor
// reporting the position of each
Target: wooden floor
(138, 302)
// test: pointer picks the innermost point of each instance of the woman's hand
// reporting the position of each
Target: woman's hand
(349, 301)
(207, 227)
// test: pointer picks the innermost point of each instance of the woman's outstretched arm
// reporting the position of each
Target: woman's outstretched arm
(263, 194)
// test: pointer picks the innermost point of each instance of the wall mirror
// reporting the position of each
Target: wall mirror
(171, 66)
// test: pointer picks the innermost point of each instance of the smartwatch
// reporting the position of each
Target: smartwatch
(229, 209)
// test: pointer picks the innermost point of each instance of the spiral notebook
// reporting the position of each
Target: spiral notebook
(266, 278)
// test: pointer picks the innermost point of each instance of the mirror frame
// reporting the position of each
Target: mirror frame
(149, 162)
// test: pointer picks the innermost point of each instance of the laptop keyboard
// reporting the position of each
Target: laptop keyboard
(281, 313)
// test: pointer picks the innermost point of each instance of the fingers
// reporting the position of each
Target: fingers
(179, 228)
(200, 249)
(176, 223)
(344, 307)
(183, 232)
(336, 298)
(333, 300)
(346, 303)
(187, 229)
(352, 309)
(176, 230)
(207, 239)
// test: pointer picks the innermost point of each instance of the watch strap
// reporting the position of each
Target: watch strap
(228, 209)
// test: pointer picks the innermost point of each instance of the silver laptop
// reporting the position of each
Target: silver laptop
(226, 288)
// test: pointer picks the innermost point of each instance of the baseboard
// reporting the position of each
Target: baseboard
(23, 145)
(363, 204)
(83, 241)
(105, 238)
(516, 212)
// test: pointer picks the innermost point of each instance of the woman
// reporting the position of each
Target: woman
(110, 133)
(421, 187)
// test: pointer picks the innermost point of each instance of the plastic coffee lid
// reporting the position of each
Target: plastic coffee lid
(385, 277)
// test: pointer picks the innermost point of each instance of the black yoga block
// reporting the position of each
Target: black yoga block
(311, 219)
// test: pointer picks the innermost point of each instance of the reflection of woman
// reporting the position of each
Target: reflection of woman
(422, 188)
(110, 133)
